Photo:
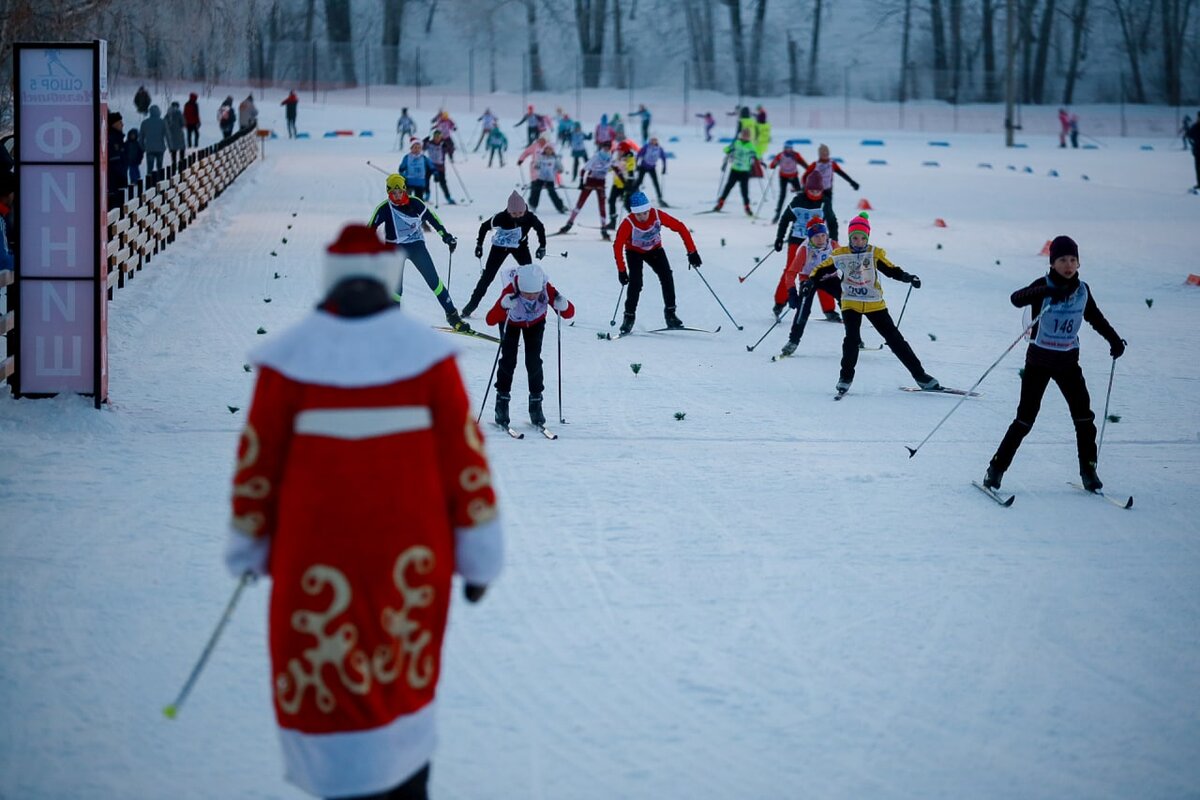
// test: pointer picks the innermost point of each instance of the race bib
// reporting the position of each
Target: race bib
(1058, 327)
(506, 237)
(408, 229)
(860, 281)
(647, 238)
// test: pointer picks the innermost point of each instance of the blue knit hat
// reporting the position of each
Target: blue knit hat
(639, 203)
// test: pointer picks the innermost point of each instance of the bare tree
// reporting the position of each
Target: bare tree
(816, 46)
(1175, 16)
(699, 16)
(1079, 23)
(589, 22)
(990, 86)
(904, 39)
(754, 82)
(393, 18)
(1135, 19)
(739, 50)
(337, 28)
(936, 22)
(537, 78)
(1038, 81)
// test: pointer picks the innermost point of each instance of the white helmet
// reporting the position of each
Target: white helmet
(529, 278)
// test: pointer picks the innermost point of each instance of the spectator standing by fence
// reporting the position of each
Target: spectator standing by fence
(248, 113)
(175, 140)
(227, 117)
(289, 107)
(118, 168)
(191, 120)
(153, 138)
(133, 157)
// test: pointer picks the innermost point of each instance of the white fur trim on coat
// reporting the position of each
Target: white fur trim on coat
(479, 552)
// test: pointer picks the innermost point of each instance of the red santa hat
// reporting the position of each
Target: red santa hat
(358, 253)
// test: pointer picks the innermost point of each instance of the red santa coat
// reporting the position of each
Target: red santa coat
(362, 461)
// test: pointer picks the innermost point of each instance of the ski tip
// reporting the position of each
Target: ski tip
(741, 279)
(1009, 501)
(739, 327)
(1129, 502)
(718, 330)
(170, 711)
(911, 451)
(749, 348)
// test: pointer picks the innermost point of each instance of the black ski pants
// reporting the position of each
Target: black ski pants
(533, 356)
(784, 182)
(882, 322)
(495, 258)
(577, 157)
(418, 254)
(193, 135)
(830, 218)
(653, 173)
(439, 175)
(800, 320)
(535, 195)
(494, 151)
(1034, 382)
(657, 260)
(415, 788)
(743, 180)
(622, 192)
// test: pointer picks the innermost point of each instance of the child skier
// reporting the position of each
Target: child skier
(510, 236)
(497, 143)
(532, 123)
(788, 162)
(814, 251)
(639, 238)
(624, 169)
(546, 168)
(740, 158)
(595, 171)
(416, 169)
(521, 312)
(644, 113)
(826, 167)
(855, 271)
(405, 127)
(488, 122)
(1060, 303)
(647, 164)
(709, 122)
(436, 147)
(804, 207)
(579, 153)
(401, 216)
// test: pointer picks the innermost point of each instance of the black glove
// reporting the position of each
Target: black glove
(623, 277)
(854, 186)
(915, 281)
(694, 259)
(474, 592)
(806, 287)
(1117, 349)
(794, 297)
(540, 253)
(778, 245)
(450, 241)
(479, 251)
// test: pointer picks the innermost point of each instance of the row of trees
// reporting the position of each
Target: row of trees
(947, 49)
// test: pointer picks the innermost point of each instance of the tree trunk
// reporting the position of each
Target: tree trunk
(904, 50)
(939, 49)
(816, 46)
(956, 48)
(337, 26)
(618, 48)
(429, 17)
(793, 66)
(1078, 29)
(1175, 19)
(1025, 19)
(989, 52)
(739, 51)
(589, 23)
(537, 79)
(1038, 82)
(393, 15)
(756, 51)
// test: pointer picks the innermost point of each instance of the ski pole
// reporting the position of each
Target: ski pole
(449, 269)
(912, 451)
(1107, 395)
(376, 166)
(722, 305)
(561, 419)
(460, 183)
(613, 321)
(757, 264)
(910, 288)
(172, 710)
(766, 188)
(487, 389)
(721, 182)
(750, 347)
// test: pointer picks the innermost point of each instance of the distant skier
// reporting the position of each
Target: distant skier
(532, 123)
(624, 171)
(1064, 126)
(521, 312)
(595, 173)
(639, 239)
(497, 143)
(853, 273)
(289, 107)
(487, 121)
(827, 168)
(816, 248)
(788, 162)
(226, 117)
(416, 169)
(401, 216)
(436, 149)
(510, 236)
(709, 122)
(1064, 303)
(546, 168)
(762, 133)
(604, 133)
(644, 113)
(405, 128)
(648, 159)
(740, 157)
(579, 154)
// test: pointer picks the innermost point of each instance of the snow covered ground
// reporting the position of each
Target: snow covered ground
(766, 599)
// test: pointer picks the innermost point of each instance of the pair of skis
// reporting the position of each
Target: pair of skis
(471, 332)
(516, 434)
(1007, 500)
(614, 336)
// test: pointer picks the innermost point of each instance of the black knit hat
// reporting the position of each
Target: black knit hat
(1063, 246)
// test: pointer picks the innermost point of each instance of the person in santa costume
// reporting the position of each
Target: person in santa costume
(361, 488)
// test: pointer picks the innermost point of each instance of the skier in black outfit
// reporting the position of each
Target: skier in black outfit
(1064, 302)
(510, 236)
(1193, 136)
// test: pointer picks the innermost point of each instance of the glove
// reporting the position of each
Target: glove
(793, 300)
(508, 301)
(1117, 349)
(854, 186)
(694, 259)
(623, 277)
(245, 553)
(560, 303)
(479, 251)
(915, 281)
(451, 242)
(540, 253)
(778, 245)
(806, 287)
(474, 592)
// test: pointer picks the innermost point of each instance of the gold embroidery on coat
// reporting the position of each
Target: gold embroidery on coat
(481, 511)
(472, 479)
(409, 640)
(334, 648)
(254, 487)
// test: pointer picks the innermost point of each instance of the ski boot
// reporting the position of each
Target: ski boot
(627, 323)
(604, 234)
(718, 206)
(993, 476)
(749, 211)
(776, 310)
(790, 347)
(833, 316)
(1088, 476)
(842, 387)
(536, 416)
(456, 322)
(929, 384)
(502, 409)
(450, 201)
(673, 322)
(567, 227)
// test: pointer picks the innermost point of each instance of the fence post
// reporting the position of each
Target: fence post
(313, 63)
(846, 97)
(418, 103)
(367, 72)
(687, 83)
(471, 80)
(524, 80)
(578, 87)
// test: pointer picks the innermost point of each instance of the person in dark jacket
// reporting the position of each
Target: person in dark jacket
(289, 106)
(174, 131)
(510, 236)
(1193, 136)
(191, 120)
(153, 137)
(141, 101)
(227, 117)
(118, 168)
(1060, 303)
(133, 156)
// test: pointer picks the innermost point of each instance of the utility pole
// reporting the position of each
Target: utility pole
(1010, 15)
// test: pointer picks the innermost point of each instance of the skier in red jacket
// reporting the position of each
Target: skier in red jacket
(639, 238)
